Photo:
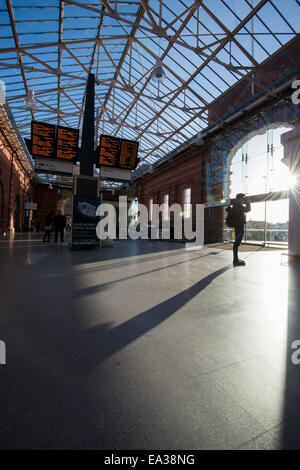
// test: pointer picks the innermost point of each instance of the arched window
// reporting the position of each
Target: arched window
(256, 168)
(255, 163)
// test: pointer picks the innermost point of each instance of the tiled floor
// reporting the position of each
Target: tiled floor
(147, 346)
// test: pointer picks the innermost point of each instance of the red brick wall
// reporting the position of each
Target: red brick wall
(172, 178)
(48, 200)
(271, 71)
(14, 185)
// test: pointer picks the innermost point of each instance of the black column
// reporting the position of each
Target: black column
(87, 152)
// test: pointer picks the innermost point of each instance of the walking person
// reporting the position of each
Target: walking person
(59, 224)
(48, 226)
(236, 218)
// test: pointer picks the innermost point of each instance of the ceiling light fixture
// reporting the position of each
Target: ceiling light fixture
(158, 75)
(29, 100)
(199, 140)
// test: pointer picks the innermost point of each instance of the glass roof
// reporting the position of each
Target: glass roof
(206, 46)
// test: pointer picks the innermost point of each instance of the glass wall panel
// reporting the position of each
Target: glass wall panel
(255, 228)
(256, 162)
(257, 169)
(278, 173)
(277, 215)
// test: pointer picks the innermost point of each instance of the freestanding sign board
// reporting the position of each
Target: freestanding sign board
(85, 222)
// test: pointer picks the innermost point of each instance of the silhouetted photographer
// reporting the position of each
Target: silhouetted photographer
(236, 219)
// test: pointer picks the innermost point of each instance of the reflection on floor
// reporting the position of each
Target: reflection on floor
(145, 346)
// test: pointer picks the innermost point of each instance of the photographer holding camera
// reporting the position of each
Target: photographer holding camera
(236, 213)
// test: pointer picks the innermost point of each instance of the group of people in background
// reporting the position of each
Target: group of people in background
(57, 223)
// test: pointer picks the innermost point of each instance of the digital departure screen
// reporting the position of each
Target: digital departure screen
(50, 141)
(118, 153)
(128, 154)
(43, 142)
(109, 150)
(67, 143)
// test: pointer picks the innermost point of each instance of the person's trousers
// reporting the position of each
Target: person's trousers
(238, 237)
(59, 230)
(47, 236)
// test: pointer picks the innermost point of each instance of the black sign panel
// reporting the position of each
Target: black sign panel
(43, 142)
(128, 154)
(28, 145)
(85, 222)
(109, 151)
(67, 143)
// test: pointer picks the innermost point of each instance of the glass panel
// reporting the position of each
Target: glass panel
(255, 228)
(150, 209)
(187, 203)
(257, 165)
(278, 172)
(166, 207)
(236, 176)
(256, 168)
(277, 221)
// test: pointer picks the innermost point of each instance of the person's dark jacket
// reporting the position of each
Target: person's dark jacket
(59, 221)
(49, 220)
(239, 211)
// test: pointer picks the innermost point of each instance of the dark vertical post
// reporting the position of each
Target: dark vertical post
(87, 153)
(86, 185)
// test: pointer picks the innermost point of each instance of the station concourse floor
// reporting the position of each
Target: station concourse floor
(147, 345)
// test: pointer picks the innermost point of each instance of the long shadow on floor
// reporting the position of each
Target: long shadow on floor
(100, 342)
(46, 397)
(125, 249)
(106, 285)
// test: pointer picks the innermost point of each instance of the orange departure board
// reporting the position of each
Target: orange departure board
(43, 140)
(109, 151)
(67, 143)
(128, 154)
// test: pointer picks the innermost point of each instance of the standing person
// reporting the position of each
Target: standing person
(48, 226)
(59, 224)
(238, 220)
